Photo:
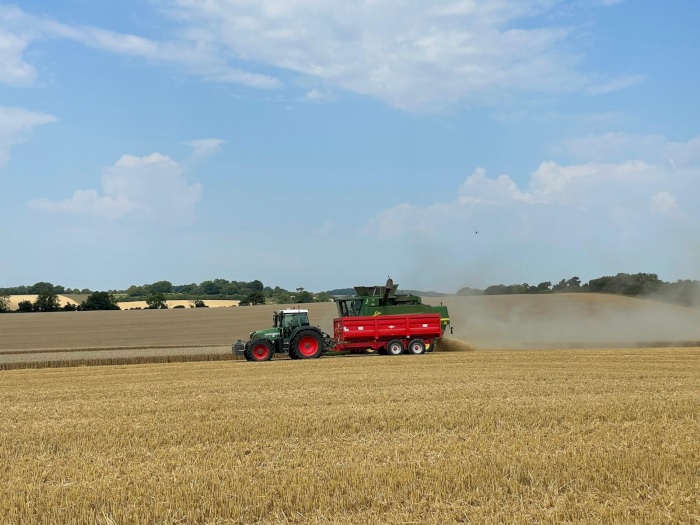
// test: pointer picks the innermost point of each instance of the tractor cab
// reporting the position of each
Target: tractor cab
(288, 320)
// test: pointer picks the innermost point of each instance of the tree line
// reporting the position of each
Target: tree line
(156, 295)
(685, 292)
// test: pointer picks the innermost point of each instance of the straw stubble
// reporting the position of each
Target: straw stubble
(473, 437)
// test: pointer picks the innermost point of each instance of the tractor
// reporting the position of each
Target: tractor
(290, 334)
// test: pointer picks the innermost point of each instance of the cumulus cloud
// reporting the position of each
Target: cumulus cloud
(411, 54)
(623, 213)
(15, 125)
(148, 188)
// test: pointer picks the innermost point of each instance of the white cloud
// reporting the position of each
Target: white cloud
(615, 84)
(605, 216)
(13, 69)
(15, 125)
(664, 203)
(315, 95)
(411, 54)
(148, 188)
(203, 148)
(196, 57)
(619, 146)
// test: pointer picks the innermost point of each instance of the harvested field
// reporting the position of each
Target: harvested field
(172, 303)
(62, 300)
(516, 322)
(478, 437)
(188, 327)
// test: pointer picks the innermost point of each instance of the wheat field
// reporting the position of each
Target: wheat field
(558, 436)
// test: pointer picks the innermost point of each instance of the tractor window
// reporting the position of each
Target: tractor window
(295, 319)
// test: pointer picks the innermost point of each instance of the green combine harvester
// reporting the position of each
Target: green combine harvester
(383, 300)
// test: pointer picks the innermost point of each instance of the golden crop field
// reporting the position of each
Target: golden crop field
(557, 436)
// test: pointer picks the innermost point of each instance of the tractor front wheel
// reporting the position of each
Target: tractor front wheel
(394, 347)
(307, 344)
(259, 350)
(416, 347)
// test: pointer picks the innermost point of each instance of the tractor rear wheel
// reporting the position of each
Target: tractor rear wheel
(394, 347)
(259, 350)
(416, 347)
(307, 344)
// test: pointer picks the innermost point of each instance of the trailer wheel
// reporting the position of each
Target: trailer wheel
(416, 347)
(258, 350)
(307, 344)
(394, 347)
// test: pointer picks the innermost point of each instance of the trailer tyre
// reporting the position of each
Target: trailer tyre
(307, 344)
(259, 350)
(394, 347)
(416, 347)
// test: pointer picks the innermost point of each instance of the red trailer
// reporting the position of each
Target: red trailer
(389, 334)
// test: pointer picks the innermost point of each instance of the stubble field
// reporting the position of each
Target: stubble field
(558, 436)
(496, 435)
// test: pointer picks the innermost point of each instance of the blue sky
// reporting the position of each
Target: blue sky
(324, 144)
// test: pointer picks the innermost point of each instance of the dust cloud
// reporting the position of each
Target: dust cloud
(569, 321)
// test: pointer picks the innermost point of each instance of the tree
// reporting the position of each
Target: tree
(560, 286)
(135, 291)
(47, 301)
(323, 297)
(100, 301)
(198, 303)
(253, 298)
(4, 303)
(573, 284)
(157, 302)
(544, 287)
(25, 306)
(469, 291)
(40, 287)
(162, 287)
(302, 296)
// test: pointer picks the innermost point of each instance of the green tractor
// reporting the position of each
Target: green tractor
(290, 334)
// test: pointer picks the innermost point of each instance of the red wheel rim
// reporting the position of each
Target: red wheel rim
(308, 346)
(261, 352)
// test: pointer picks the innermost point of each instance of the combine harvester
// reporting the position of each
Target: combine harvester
(376, 318)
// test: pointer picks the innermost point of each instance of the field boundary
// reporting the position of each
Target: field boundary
(101, 349)
(109, 361)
